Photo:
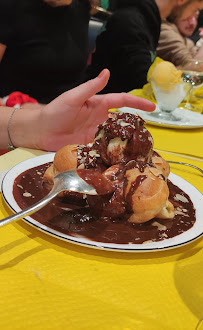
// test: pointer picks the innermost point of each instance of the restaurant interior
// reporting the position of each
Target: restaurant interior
(105, 234)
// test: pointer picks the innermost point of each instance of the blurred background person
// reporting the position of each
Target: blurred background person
(127, 45)
(174, 43)
(197, 36)
(199, 29)
(112, 5)
(43, 46)
(199, 42)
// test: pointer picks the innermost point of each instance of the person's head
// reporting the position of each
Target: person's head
(187, 25)
(174, 8)
(187, 9)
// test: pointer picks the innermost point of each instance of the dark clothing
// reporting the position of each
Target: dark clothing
(127, 47)
(47, 48)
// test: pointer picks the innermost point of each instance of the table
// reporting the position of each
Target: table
(47, 283)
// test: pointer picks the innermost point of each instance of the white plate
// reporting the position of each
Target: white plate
(189, 119)
(184, 238)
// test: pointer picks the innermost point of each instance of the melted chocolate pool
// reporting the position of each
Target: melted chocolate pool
(29, 188)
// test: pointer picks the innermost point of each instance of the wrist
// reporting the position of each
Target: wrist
(10, 142)
(23, 129)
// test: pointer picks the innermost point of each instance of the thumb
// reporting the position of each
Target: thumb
(80, 94)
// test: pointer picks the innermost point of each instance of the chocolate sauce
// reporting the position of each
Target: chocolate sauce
(130, 130)
(133, 188)
(97, 180)
(29, 188)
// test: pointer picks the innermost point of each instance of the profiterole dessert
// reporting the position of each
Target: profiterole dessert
(123, 152)
(140, 204)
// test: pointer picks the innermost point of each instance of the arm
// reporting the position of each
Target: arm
(201, 32)
(71, 118)
(58, 3)
(2, 50)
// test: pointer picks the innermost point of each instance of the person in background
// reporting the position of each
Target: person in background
(127, 46)
(71, 118)
(43, 46)
(101, 3)
(112, 5)
(199, 42)
(195, 37)
(174, 43)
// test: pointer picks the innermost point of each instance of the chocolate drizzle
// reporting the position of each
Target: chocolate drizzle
(80, 221)
(123, 141)
(98, 181)
(126, 135)
(132, 190)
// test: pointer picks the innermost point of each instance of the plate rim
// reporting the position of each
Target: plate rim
(168, 125)
(88, 243)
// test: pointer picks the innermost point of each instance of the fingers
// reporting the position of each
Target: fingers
(79, 95)
(125, 100)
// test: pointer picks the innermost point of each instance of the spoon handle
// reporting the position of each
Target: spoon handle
(29, 210)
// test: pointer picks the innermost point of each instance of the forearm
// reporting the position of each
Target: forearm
(2, 51)
(22, 125)
(5, 114)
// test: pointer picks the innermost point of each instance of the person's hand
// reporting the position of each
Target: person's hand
(200, 32)
(73, 116)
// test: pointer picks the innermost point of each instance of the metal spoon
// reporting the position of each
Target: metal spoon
(181, 163)
(68, 180)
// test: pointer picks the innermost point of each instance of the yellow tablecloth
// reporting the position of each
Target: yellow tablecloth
(46, 283)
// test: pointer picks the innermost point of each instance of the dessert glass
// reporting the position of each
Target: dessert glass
(169, 96)
(193, 72)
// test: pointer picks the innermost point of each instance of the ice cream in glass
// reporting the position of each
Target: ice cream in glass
(169, 89)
